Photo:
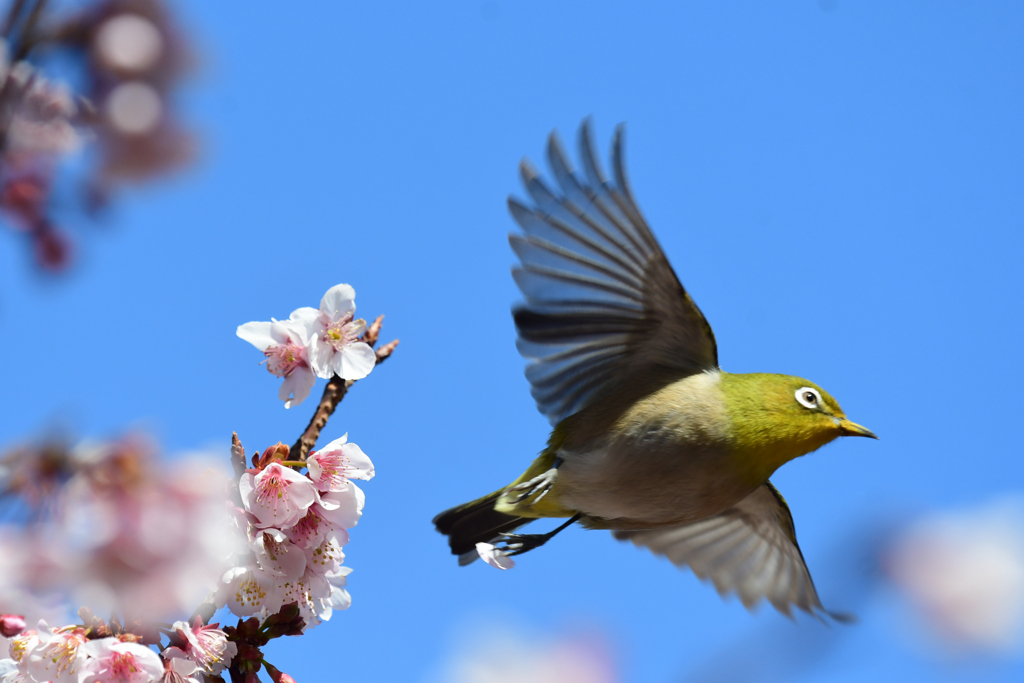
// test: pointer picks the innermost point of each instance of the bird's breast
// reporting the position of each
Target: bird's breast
(668, 460)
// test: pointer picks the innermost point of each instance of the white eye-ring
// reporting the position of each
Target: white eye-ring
(808, 398)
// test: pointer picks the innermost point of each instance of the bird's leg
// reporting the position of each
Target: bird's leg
(538, 486)
(517, 544)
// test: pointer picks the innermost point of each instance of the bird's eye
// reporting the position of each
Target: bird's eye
(808, 398)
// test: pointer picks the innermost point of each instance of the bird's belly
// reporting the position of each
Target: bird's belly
(630, 487)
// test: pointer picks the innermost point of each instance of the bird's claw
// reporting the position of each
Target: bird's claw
(517, 544)
(538, 486)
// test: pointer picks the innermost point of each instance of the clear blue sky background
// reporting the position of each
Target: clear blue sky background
(838, 184)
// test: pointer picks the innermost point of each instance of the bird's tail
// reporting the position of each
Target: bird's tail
(475, 522)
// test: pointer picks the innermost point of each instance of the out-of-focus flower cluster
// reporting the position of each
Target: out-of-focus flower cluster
(127, 60)
(295, 527)
(313, 343)
(109, 526)
(963, 571)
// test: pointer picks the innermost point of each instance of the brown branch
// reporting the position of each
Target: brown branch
(334, 392)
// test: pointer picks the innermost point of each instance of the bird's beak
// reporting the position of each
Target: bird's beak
(853, 429)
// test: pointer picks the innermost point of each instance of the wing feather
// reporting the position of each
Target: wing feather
(750, 549)
(604, 311)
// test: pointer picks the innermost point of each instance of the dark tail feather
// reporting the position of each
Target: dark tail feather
(476, 522)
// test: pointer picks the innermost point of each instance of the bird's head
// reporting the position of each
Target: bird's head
(776, 418)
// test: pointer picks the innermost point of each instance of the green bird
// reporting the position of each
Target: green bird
(651, 439)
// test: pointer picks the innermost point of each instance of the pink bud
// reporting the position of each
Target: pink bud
(277, 675)
(11, 625)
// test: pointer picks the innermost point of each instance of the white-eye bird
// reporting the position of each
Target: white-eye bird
(651, 439)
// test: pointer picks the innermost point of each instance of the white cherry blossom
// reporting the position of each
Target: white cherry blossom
(277, 555)
(249, 590)
(277, 496)
(335, 335)
(341, 508)
(114, 661)
(286, 345)
(178, 668)
(337, 462)
(59, 655)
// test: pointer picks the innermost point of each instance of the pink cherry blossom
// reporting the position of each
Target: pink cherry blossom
(286, 347)
(336, 347)
(328, 555)
(494, 557)
(337, 462)
(114, 661)
(59, 656)
(278, 496)
(309, 530)
(207, 646)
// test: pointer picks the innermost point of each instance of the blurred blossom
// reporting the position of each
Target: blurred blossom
(506, 657)
(111, 527)
(131, 60)
(964, 571)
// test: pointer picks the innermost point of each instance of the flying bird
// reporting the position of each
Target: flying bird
(651, 439)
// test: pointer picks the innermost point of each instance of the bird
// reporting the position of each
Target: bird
(651, 439)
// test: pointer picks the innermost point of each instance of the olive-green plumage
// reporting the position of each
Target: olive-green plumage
(651, 439)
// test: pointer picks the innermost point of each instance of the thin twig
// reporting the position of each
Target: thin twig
(334, 392)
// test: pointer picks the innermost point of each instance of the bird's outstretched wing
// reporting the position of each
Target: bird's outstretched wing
(604, 309)
(749, 549)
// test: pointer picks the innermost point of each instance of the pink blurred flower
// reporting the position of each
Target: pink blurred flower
(286, 347)
(114, 661)
(494, 557)
(208, 646)
(336, 346)
(337, 462)
(277, 496)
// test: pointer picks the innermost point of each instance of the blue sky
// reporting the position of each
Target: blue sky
(838, 185)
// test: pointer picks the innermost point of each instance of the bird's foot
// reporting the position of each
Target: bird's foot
(538, 486)
(517, 544)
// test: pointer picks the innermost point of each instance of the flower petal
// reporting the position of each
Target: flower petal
(357, 360)
(494, 557)
(297, 385)
(257, 333)
(339, 300)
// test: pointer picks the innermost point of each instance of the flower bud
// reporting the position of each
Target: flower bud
(11, 625)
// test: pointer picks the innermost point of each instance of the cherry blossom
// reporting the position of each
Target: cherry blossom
(285, 343)
(341, 508)
(58, 657)
(207, 646)
(249, 590)
(178, 668)
(337, 462)
(278, 496)
(277, 555)
(115, 661)
(336, 347)
(494, 556)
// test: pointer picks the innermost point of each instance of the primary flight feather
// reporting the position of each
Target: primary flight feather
(651, 439)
